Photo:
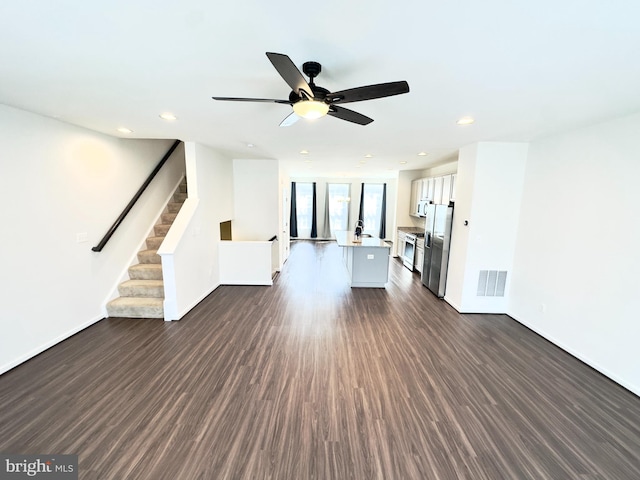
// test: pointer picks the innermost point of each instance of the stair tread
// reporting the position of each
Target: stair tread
(137, 301)
(144, 282)
(148, 271)
(146, 266)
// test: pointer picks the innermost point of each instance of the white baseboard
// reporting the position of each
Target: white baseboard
(635, 389)
(36, 351)
(196, 302)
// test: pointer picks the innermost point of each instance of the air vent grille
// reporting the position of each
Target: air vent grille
(491, 283)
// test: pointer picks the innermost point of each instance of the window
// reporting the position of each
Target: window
(304, 208)
(339, 206)
(372, 208)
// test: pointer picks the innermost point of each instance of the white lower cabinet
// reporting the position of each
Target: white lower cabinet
(400, 243)
(419, 259)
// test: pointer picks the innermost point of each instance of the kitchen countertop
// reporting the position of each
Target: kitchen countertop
(411, 229)
(345, 239)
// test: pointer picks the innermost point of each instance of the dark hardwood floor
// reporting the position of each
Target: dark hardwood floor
(310, 379)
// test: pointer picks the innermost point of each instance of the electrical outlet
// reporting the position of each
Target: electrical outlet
(82, 237)
(543, 307)
(370, 256)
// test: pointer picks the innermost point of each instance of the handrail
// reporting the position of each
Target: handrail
(136, 197)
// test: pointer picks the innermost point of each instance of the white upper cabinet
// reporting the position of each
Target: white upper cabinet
(439, 190)
(446, 189)
(452, 196)
(416, 191)
(428, 185)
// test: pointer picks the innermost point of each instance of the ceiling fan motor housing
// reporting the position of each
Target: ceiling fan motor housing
(311, 69)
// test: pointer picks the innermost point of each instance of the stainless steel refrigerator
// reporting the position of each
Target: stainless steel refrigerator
(437, 239)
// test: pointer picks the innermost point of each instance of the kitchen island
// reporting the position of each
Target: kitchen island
(367, 261)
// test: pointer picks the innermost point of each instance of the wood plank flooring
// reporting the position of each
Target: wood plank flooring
(310, 379)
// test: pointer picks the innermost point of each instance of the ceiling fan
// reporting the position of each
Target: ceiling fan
(311, 101)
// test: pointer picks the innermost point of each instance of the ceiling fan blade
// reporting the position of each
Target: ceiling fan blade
(289, 120)
(267, 100)
(290, 73)
(349, 115)
(369, 92)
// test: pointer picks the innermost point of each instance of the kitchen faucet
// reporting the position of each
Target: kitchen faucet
(359, 229)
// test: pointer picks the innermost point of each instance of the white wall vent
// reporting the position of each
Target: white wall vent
(491, 283)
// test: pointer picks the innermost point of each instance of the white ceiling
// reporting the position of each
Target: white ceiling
(523, 70)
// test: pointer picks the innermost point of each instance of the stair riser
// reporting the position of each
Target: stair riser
(148, 257)
(135, 312)
(161, 229)
(179, 197)
(174, 207)
(153, 243)
(168, 217)
(141, 292)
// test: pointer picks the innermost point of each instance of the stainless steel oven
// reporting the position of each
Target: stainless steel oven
(409, 250)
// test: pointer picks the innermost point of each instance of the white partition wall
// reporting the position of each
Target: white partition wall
(190, 251)
(485, 222)
(256, 184)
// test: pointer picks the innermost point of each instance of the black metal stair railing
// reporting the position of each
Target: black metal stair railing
(136, 197)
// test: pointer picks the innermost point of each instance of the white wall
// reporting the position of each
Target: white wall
(190, 252)
(256, 185)
(442, 169)
(576, 262)
(247, 262)
(59, 181)
(490, 181)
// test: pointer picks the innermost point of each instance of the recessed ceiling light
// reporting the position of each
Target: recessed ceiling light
(403, 162)
(304, 152)
(125, 130)
(363, 161)
(465, 121)
(368, 155)
(167, 116)
(307, 161)
(250, 145)
(423, 154)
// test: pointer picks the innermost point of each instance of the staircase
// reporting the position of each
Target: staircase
(142, 296)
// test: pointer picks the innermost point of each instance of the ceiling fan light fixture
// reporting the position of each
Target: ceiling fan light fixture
(310, 109)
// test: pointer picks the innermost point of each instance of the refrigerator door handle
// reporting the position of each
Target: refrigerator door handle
(427, 240)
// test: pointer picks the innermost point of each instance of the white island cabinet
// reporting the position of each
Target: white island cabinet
(367, 262)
